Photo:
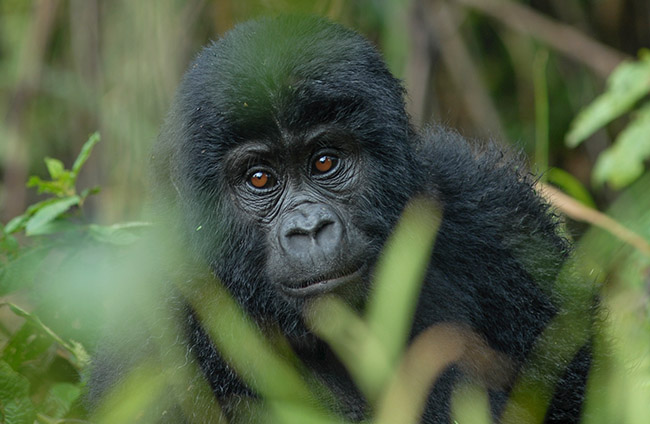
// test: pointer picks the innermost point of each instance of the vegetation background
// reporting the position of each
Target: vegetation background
(565, 81)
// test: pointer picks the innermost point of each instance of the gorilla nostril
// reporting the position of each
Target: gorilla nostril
(297, 241)
(328, 234)
(311, 231)
(296, 231)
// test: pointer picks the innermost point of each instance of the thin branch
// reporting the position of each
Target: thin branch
(576, 210)
(600, 58)
(443, 28)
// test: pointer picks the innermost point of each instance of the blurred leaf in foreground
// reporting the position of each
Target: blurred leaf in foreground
(16, 407)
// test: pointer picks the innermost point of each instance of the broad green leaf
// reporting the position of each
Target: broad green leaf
(623, 162)
(354, 343)
(628, 84)
(54, 167)
(400, 273)
(85, 153)
(49, 213)
(132, 400)
(16, 223)
(59, 399)
(55, 227)
(15, 405)
(32, 209)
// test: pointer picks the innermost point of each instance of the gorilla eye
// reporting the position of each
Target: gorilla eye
(261, 180)
(324, 164)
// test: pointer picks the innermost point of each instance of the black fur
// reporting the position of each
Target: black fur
(496, 257)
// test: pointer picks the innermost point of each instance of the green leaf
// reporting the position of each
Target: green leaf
(49, 213)
(623, 162)
(118, 234)
(15, 405)
(59, 399)
(16, 223)
(8, 244)
(85, 153)
(55, 168)
(628, 84)
(26, 344)
(54, 187)
(55, 227)
(79, 357)
(90, 191)
(400, 272)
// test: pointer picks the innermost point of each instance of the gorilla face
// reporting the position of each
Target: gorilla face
(284, 163)
(299, 191)
(286, 177)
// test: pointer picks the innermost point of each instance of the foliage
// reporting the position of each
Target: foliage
(51, 250)
(40, 368)
(622, 163)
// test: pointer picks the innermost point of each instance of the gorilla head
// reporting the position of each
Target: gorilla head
(285, 162)
(281, 152)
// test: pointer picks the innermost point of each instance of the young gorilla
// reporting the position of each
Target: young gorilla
(288, 157)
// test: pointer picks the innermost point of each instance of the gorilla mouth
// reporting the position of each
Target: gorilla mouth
(320, 286)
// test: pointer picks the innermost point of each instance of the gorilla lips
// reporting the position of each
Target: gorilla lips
(322, 286)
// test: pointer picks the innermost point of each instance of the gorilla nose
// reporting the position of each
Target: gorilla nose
(312, 230)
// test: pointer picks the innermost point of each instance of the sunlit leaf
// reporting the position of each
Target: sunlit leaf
(134, 398)
(628, 84)
(54, 167)
(351, 339)
(623, 162)
(470, 404)
(16, 223)
(400, 273)
(85, 153)
(55, 227)
(49, 213)
(56, 187)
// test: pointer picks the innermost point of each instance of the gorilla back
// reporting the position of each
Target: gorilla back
(287, 159)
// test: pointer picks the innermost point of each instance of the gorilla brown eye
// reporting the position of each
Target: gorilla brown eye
(324, 164)
(261, 179)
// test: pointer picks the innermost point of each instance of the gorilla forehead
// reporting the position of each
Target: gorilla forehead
(288, 73)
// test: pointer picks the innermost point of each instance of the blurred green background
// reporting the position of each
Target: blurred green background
(68, 68)
(566, 81)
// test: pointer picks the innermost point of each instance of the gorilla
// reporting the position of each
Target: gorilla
(284, 165)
